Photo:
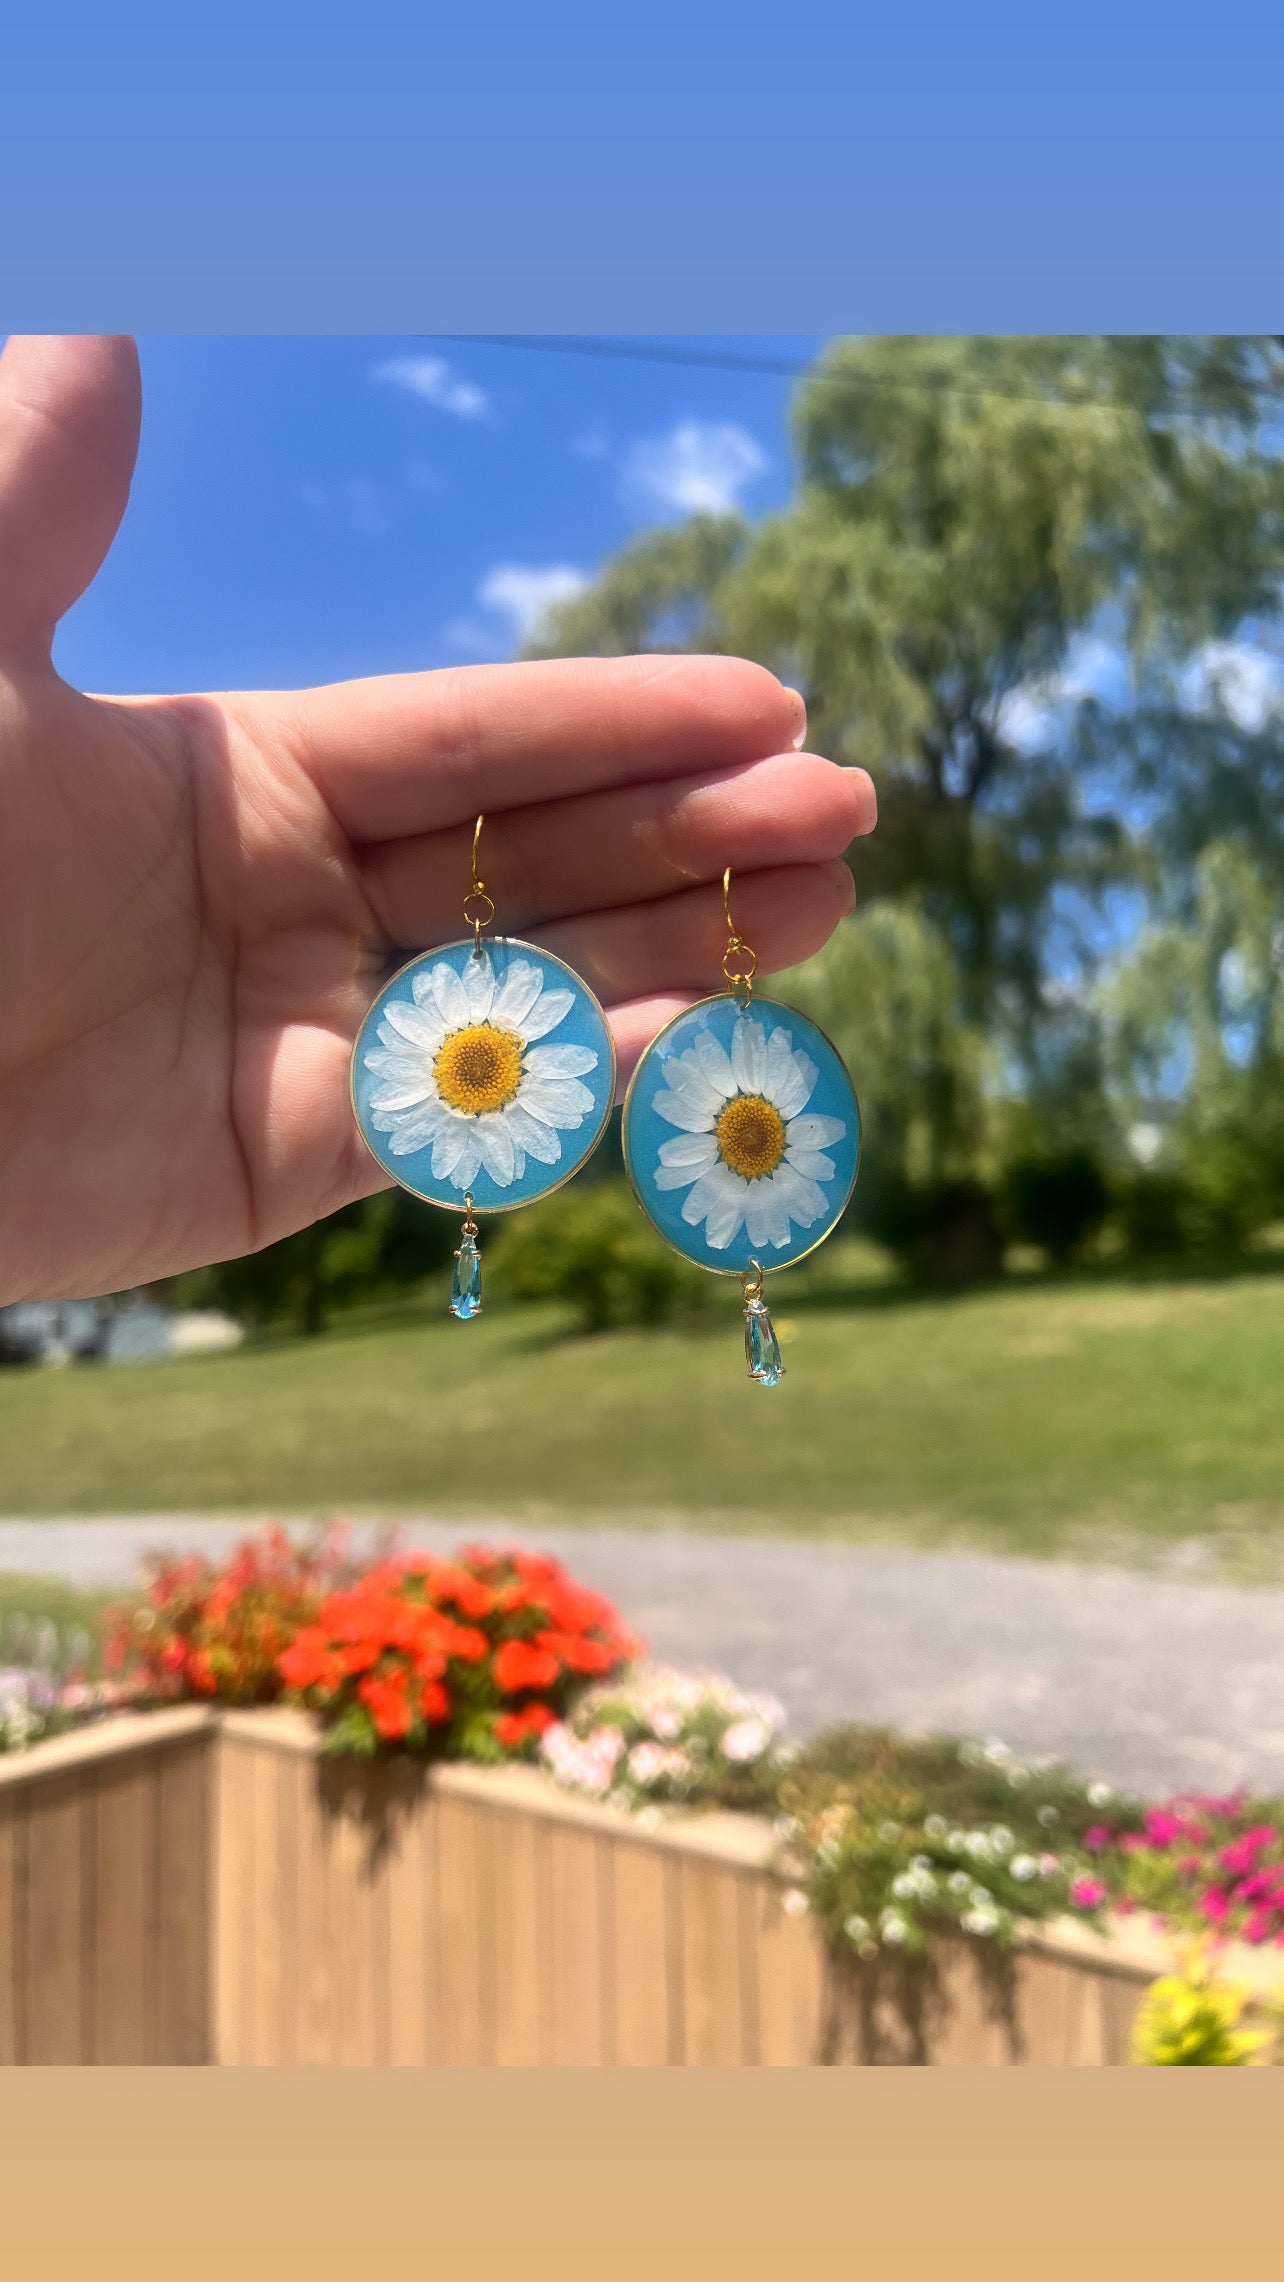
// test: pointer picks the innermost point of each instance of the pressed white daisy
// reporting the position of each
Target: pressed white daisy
(462, 1072)
(749, 1155)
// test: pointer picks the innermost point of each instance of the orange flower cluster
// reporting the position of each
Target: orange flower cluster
(208, 1631)
(476, 1656)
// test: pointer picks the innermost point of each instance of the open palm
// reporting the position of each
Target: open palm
(199, 895)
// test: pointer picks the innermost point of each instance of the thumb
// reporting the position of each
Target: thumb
(70, 408)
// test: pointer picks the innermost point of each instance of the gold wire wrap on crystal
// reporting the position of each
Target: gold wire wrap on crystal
(739, 962)
(479, 910)
(751, 1281)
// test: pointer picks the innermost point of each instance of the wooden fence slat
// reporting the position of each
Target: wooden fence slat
(182, 1911)
(790, 1981)
(55, 1923)
(408, 1977)
(712, 1978)
(644, 2036)
(576, 1939)
(459, 1964)
(521, 1999)
(233, 1873)
(12, 1915)
(124, 1977)
(315, 1945)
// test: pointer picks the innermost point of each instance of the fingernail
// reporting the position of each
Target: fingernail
(850, 901)
(800, 738)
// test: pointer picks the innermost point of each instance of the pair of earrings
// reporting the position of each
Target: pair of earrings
(484, 1074)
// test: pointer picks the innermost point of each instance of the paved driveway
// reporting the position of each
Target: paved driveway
(1149, 1682)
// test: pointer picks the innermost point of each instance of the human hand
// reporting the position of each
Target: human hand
(200, 895)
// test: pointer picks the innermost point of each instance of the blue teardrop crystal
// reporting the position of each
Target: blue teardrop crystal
(465, 1285)
(762, 1349)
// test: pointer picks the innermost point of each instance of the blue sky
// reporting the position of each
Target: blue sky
(310, 509)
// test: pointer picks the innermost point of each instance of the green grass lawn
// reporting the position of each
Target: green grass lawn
(1083, 1417)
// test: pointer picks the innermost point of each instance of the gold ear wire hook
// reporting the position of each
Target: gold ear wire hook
(739, 962)
(479, 909)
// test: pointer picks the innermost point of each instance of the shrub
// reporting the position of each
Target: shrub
(216, 1632)
(591, 1248)
(1056, 1201)
(670, 1736)
(475, 1657)
(1189, 2019)
(1199, 1864)
(893, 1839)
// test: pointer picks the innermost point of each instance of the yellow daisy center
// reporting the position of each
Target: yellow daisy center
(478, 1069)
(751, 1136)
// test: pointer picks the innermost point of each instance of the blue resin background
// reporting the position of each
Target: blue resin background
(584, 1025)
(645, 1130)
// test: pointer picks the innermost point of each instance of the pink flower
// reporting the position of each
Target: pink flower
(1098, 1838)
(1087, 1893)
(1163, 1826)
(1215, 1906)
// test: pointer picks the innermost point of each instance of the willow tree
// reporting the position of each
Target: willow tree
(967, 510)
(971, 518)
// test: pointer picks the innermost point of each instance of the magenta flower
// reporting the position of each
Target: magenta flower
(1087, 1893)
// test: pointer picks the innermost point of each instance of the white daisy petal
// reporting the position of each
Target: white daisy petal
(450, 995)
(498, 1150)
(562, 1102)
(814, 1132)
(478, 979)
(677, 1176)
(726, 1208)
(538, 1141)
(759, 1215)
(714, 1063)
(406, 1135)
(749, 1054)
(690, 1149)
(685, 1078)
(411, 1024)
(806, 1202)
(811, 1164)
(561, 1061)
(421, 985)
(405, 1095)
(517, 993)
(394, 1061)
(675, 1109)
(796, 1090)
(778, 1230)
(469, 1166)
(551, 1007)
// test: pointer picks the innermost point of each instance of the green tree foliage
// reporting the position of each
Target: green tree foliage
(590, 1247)
(385, 1244)
(1195, 1026)
(965, 508)
(966, 511)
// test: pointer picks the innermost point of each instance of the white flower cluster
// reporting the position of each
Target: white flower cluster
(660, 1732)
(27, 1699)
(34, 1704)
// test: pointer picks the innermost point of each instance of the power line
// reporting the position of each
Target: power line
(779, 368)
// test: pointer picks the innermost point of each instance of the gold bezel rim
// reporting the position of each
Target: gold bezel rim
(769, 1268)
(439, 951)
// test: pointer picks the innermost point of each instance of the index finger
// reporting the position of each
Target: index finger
(411, 752)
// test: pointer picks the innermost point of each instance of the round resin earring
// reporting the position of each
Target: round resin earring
(741, 1138)
(482, 1076)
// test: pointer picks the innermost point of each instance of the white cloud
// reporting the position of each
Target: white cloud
(1030, 714)
(1246, 681)
(525, 593)
(437, 383)
(696, 469)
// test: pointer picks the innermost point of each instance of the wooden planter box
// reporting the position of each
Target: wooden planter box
(193, 1886)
